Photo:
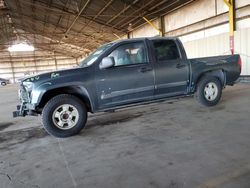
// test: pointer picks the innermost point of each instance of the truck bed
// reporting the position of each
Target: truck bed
(229, 64)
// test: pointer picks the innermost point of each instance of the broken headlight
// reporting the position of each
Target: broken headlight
(28, 86)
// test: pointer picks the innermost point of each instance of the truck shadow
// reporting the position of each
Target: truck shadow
(235, 94)
(12, 139)
(109, 119)
(5, 125)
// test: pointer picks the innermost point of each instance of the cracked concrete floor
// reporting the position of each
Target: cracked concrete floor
(173, 144)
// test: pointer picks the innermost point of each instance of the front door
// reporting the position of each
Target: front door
(130, 80)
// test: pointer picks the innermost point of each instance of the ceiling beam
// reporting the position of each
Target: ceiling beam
(101, 11)
(78, 15)
(166, 10)
(31, 19)
(141, 11)
(122, 11)
(56, 10)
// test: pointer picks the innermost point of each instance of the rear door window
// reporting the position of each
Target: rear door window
(165, 50)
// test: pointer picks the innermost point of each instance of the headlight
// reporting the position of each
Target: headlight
(28, 86)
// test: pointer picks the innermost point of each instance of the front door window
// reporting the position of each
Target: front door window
(128, 54)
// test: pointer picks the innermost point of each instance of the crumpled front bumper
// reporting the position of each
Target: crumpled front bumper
(25, 108)
(19, 112)
(22, 111)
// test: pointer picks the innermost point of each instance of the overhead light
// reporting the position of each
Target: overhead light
(130, 26)
(21, 47)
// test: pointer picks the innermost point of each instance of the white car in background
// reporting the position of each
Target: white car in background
(4, 82)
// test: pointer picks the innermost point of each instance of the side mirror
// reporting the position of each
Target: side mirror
(107, 62)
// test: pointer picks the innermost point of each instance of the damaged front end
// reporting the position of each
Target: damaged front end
(25, 107)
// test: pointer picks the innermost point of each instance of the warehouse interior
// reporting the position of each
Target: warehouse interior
(64, 32)
(136, 147)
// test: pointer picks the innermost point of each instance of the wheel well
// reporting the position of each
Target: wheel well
(220, 74)
(76, 91)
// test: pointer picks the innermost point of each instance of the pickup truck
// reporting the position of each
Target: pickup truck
(122, 74)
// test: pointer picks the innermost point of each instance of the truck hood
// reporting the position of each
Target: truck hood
(50, 75)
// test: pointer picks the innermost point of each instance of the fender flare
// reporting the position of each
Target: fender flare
(46, 93)
(218, 73)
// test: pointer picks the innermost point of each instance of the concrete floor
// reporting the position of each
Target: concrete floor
(173, 144)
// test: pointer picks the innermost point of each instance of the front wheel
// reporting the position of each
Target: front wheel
(209, 91)
(64, 115)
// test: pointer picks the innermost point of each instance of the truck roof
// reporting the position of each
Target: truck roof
(141, 39)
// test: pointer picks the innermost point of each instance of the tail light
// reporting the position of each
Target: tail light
(240, 63)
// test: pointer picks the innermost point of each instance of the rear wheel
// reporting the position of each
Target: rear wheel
(209, 91)
(64, 115)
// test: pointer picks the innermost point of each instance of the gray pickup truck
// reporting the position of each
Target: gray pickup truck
(121, 74)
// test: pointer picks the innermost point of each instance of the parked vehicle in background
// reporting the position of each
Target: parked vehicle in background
(121, 74)
(4, 82)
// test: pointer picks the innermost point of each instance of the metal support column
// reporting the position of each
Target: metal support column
(55, 60)
(232, 23)
(77, 63)
(34, 57)
(162, 26)
(128, 35)
(150, 23)
(12, 68)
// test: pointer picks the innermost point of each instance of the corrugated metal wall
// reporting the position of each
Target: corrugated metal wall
(14, 66)
(203, 28)
(209, 46)
(219, 45)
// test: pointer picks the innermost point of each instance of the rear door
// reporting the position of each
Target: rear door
(171, 69)
(130, 80)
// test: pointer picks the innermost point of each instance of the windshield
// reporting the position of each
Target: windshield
(93, 56)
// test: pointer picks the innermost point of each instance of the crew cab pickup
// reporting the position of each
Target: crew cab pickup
(121, 74)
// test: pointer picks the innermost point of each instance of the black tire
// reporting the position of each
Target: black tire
(203, 97)
(3, 83)
(50, 121)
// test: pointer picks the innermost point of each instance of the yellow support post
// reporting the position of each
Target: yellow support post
(231, 6)
(117, 36)
(150, 23)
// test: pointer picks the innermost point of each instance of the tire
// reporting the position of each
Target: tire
(209, 90)
(64, 116)
(3, 83)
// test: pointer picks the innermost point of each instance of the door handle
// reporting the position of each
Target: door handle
(145, 69)
(180, 65)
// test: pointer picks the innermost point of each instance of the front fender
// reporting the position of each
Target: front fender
(76, 88)
(38, 92)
